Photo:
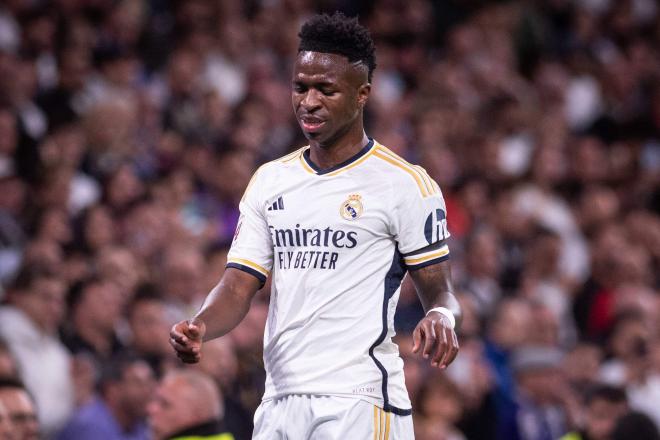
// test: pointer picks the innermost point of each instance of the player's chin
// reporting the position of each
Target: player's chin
(316, 136)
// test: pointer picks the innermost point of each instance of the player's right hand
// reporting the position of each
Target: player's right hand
(186, 337)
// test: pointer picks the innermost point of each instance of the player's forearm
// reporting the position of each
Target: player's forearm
(447, 300)
(434, 288)
(227, 303)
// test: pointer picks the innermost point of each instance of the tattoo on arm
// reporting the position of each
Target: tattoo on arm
(434, 288)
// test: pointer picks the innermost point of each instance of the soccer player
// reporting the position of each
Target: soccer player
(336, 224)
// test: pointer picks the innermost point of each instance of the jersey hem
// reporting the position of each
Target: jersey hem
(374, 401)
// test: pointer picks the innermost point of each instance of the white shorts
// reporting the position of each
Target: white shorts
(312, 417)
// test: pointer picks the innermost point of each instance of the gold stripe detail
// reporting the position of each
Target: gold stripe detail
(375, 422)
(289, 157)
(382, 422)
(396, 163)
(249, 263)
(304, 164)
(334, 173)
(427, 180)
(405, 163)
(249, 185)
(354, 164)
(441, 253)
(435, 189)
(387, 426)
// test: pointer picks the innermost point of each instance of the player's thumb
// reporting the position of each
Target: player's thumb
(195, 329)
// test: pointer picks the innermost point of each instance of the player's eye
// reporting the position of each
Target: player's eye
(328, 92)
(299, 88)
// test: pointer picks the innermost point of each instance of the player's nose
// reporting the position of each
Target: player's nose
(310, 100)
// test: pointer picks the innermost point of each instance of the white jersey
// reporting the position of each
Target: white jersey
(337, 244)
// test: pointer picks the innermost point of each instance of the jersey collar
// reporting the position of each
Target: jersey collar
(349, 163)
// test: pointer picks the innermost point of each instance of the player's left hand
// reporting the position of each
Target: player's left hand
(436, 339)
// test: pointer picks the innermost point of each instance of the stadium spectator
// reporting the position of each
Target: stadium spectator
(604, 405)
(118, 412)
(483, 270)
(147, 319)
(221, 363)
(128, 128)
(95, 307)
(635, 425)
(541, 411)
(6, 427)
(121, 266)
(20, 408)
(440, 406)
(8, 365)
(582, 367)
(507, 332)
(29, 326)
(187, 404)
(181, 279)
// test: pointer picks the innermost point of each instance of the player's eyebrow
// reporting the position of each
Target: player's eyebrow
(311, 82)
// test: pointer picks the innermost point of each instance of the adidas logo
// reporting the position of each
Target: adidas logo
(277, 205)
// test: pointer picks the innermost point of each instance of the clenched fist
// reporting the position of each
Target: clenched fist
(186, 337)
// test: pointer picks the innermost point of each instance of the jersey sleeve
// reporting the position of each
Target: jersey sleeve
(421, 223)
(252, 249)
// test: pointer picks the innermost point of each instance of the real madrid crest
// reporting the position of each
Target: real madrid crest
(352, 208)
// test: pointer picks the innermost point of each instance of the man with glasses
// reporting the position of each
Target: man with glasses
(20, 410)
(29, 325)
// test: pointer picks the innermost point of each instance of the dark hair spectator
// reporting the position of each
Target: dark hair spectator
(20, 408)
(125, 386)
(635, 425)
(129, 131)
(29, 324)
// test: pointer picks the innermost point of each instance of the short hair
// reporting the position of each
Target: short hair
(202, 392)
(11, 382)
(14, 383)
(113, 370)
(635, 425)
(340, 35)
(609, 393)
(79, 288)
(28, 274)
(145, 292)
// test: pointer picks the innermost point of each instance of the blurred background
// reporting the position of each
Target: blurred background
(130, 128)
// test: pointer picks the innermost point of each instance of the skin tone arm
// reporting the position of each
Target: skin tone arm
(433, 335)
(224, 308)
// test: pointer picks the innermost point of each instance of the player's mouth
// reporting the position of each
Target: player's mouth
(311, 124)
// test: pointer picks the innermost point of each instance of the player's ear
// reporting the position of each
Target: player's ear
(363, 94)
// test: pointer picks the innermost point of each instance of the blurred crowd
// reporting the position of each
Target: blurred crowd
(130, 128)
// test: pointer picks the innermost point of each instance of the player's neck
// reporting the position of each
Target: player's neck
(328, 156)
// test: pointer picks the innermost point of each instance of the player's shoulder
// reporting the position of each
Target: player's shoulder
(403, 173)
(282, 163)
(288, 159)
